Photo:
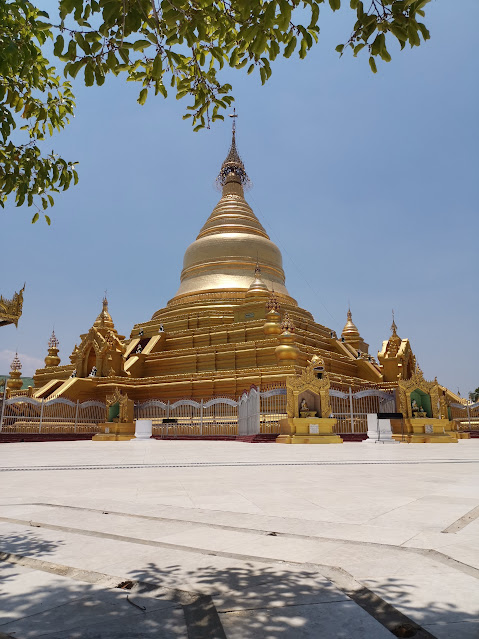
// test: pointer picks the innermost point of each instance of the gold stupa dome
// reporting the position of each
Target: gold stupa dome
(104, 318)
(231, 243)
(350, 329)
(350, 333)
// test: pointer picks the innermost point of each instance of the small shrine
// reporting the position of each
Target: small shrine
(424, 409)
(119, 424)
(310, 419)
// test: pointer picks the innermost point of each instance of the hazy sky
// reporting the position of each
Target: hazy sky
(367, 183)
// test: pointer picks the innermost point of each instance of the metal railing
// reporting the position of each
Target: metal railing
(22, 414)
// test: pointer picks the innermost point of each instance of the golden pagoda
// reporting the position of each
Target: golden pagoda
(231, 324)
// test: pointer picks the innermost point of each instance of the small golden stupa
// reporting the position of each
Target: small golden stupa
(15, 381)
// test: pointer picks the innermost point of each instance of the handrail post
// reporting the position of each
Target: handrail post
(41, 415)
(76, 415)
(201, 418)
(351, 408)
(3, 403)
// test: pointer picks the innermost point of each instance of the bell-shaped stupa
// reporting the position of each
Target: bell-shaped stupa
(229, 246)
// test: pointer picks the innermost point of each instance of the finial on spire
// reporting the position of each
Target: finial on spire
(53, 341)
(234, 115)
(393, 326)
(233, 169)
(16, 364)
(272, 304)
(287, 324)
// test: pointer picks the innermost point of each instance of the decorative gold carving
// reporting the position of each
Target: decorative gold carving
(11, 310)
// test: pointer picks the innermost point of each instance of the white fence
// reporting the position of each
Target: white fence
(218, 416)
(22, 414)
(351, 409)
(248, 413)
(272, 409)
(466, 416)
(255, 412)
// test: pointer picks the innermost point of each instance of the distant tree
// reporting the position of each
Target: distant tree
(474, 395)
(162, 44)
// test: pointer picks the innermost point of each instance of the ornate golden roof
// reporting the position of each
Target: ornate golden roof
(231, 243)
(11, 310)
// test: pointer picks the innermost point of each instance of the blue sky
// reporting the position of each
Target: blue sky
(367, 183)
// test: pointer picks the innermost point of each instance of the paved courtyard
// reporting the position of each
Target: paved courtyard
(207, 540)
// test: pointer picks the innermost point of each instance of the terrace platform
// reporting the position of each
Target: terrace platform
(226, 540)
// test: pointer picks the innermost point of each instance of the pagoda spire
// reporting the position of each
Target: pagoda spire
(233, 169)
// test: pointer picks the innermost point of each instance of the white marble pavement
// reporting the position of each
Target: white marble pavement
(280, 539)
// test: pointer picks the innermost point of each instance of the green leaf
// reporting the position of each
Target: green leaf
(143, 96)
(372, 64)
(89, 75)
(59, 44)
(157, 68)
(35, 218)
(141, 44)
(335, 4)
(48, 220)
(290, 47)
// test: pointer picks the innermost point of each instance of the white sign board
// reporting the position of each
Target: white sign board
(314, 429)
